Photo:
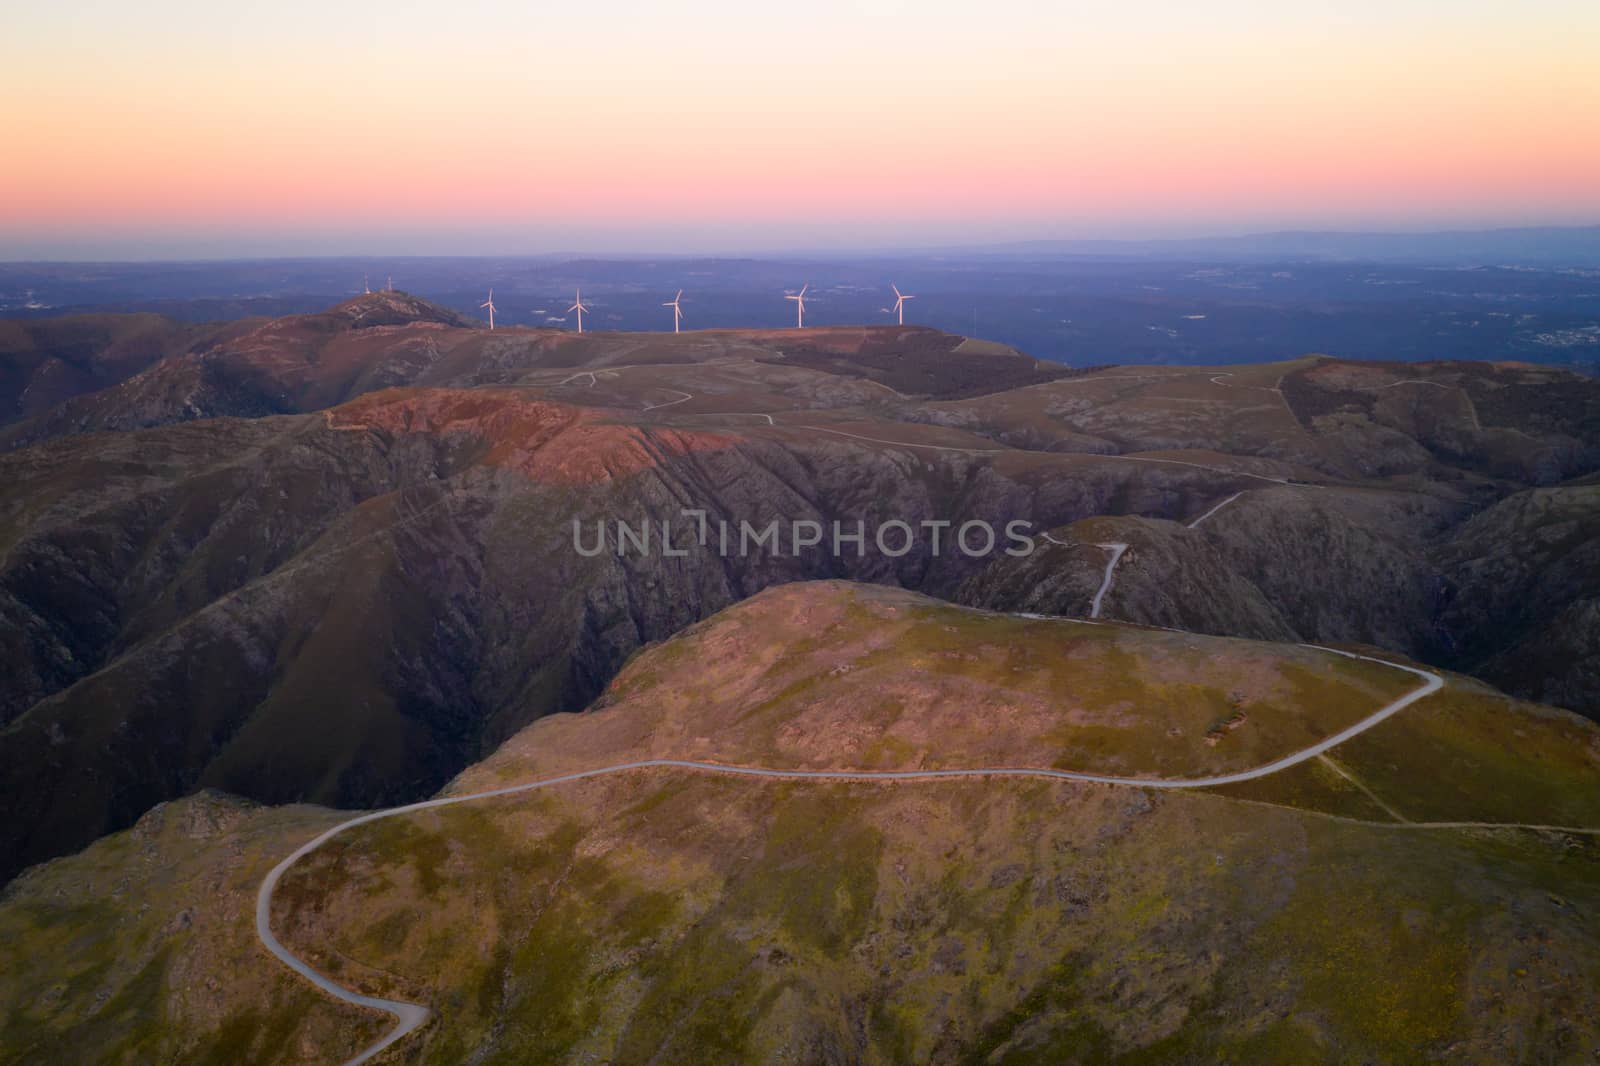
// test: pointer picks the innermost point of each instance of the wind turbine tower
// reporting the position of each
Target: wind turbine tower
(799, 305)
(900, 304)
(578, 306)
(489, 303)
(677, 312)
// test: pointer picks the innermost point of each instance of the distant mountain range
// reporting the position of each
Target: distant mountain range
(1575, 246)
(1531, 295)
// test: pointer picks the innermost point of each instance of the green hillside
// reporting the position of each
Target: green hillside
(662, 915)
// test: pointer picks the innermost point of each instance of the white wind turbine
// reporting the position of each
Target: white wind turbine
(489, 303)
(578, 306)
(900, 304)
(677, 312)
(799, 305)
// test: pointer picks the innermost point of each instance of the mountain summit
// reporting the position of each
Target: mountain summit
(390, 308)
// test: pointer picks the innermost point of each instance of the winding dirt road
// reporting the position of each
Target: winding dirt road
(410, 1016)
(1215, 509)
(683, 397)
(1116, 548)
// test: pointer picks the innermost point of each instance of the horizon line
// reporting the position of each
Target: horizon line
(814, 251)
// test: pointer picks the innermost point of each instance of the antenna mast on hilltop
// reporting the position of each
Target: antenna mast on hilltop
(799, 305)
(489, 303)
(900, 304)
(677, 312)
(578, 306)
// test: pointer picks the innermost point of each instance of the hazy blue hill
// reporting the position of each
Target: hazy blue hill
(1570, 246)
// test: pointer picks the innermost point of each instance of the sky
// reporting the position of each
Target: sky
(179, 129)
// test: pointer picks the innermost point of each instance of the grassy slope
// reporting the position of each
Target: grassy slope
(664, 917)
(840, 675)
(675, 920)
(140, 948)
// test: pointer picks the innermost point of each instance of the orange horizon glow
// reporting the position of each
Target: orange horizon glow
(895, 120)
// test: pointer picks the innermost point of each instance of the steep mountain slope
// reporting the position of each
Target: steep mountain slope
(47, 361)
(277, 367)
(1524, 607)
(349, 606)
(1279, 563)
(1509, 595)
(659, 915)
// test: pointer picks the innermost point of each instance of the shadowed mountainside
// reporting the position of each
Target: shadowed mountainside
(45, 362)
(352, 606)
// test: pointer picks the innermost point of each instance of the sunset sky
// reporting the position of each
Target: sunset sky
(168, 128)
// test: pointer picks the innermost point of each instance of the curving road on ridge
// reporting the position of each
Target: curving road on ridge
(410, 1016)
(1115, 548)
(683, 397)
(1215, 509)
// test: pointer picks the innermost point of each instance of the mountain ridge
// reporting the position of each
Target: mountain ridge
(652, 914)
(184, 605)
